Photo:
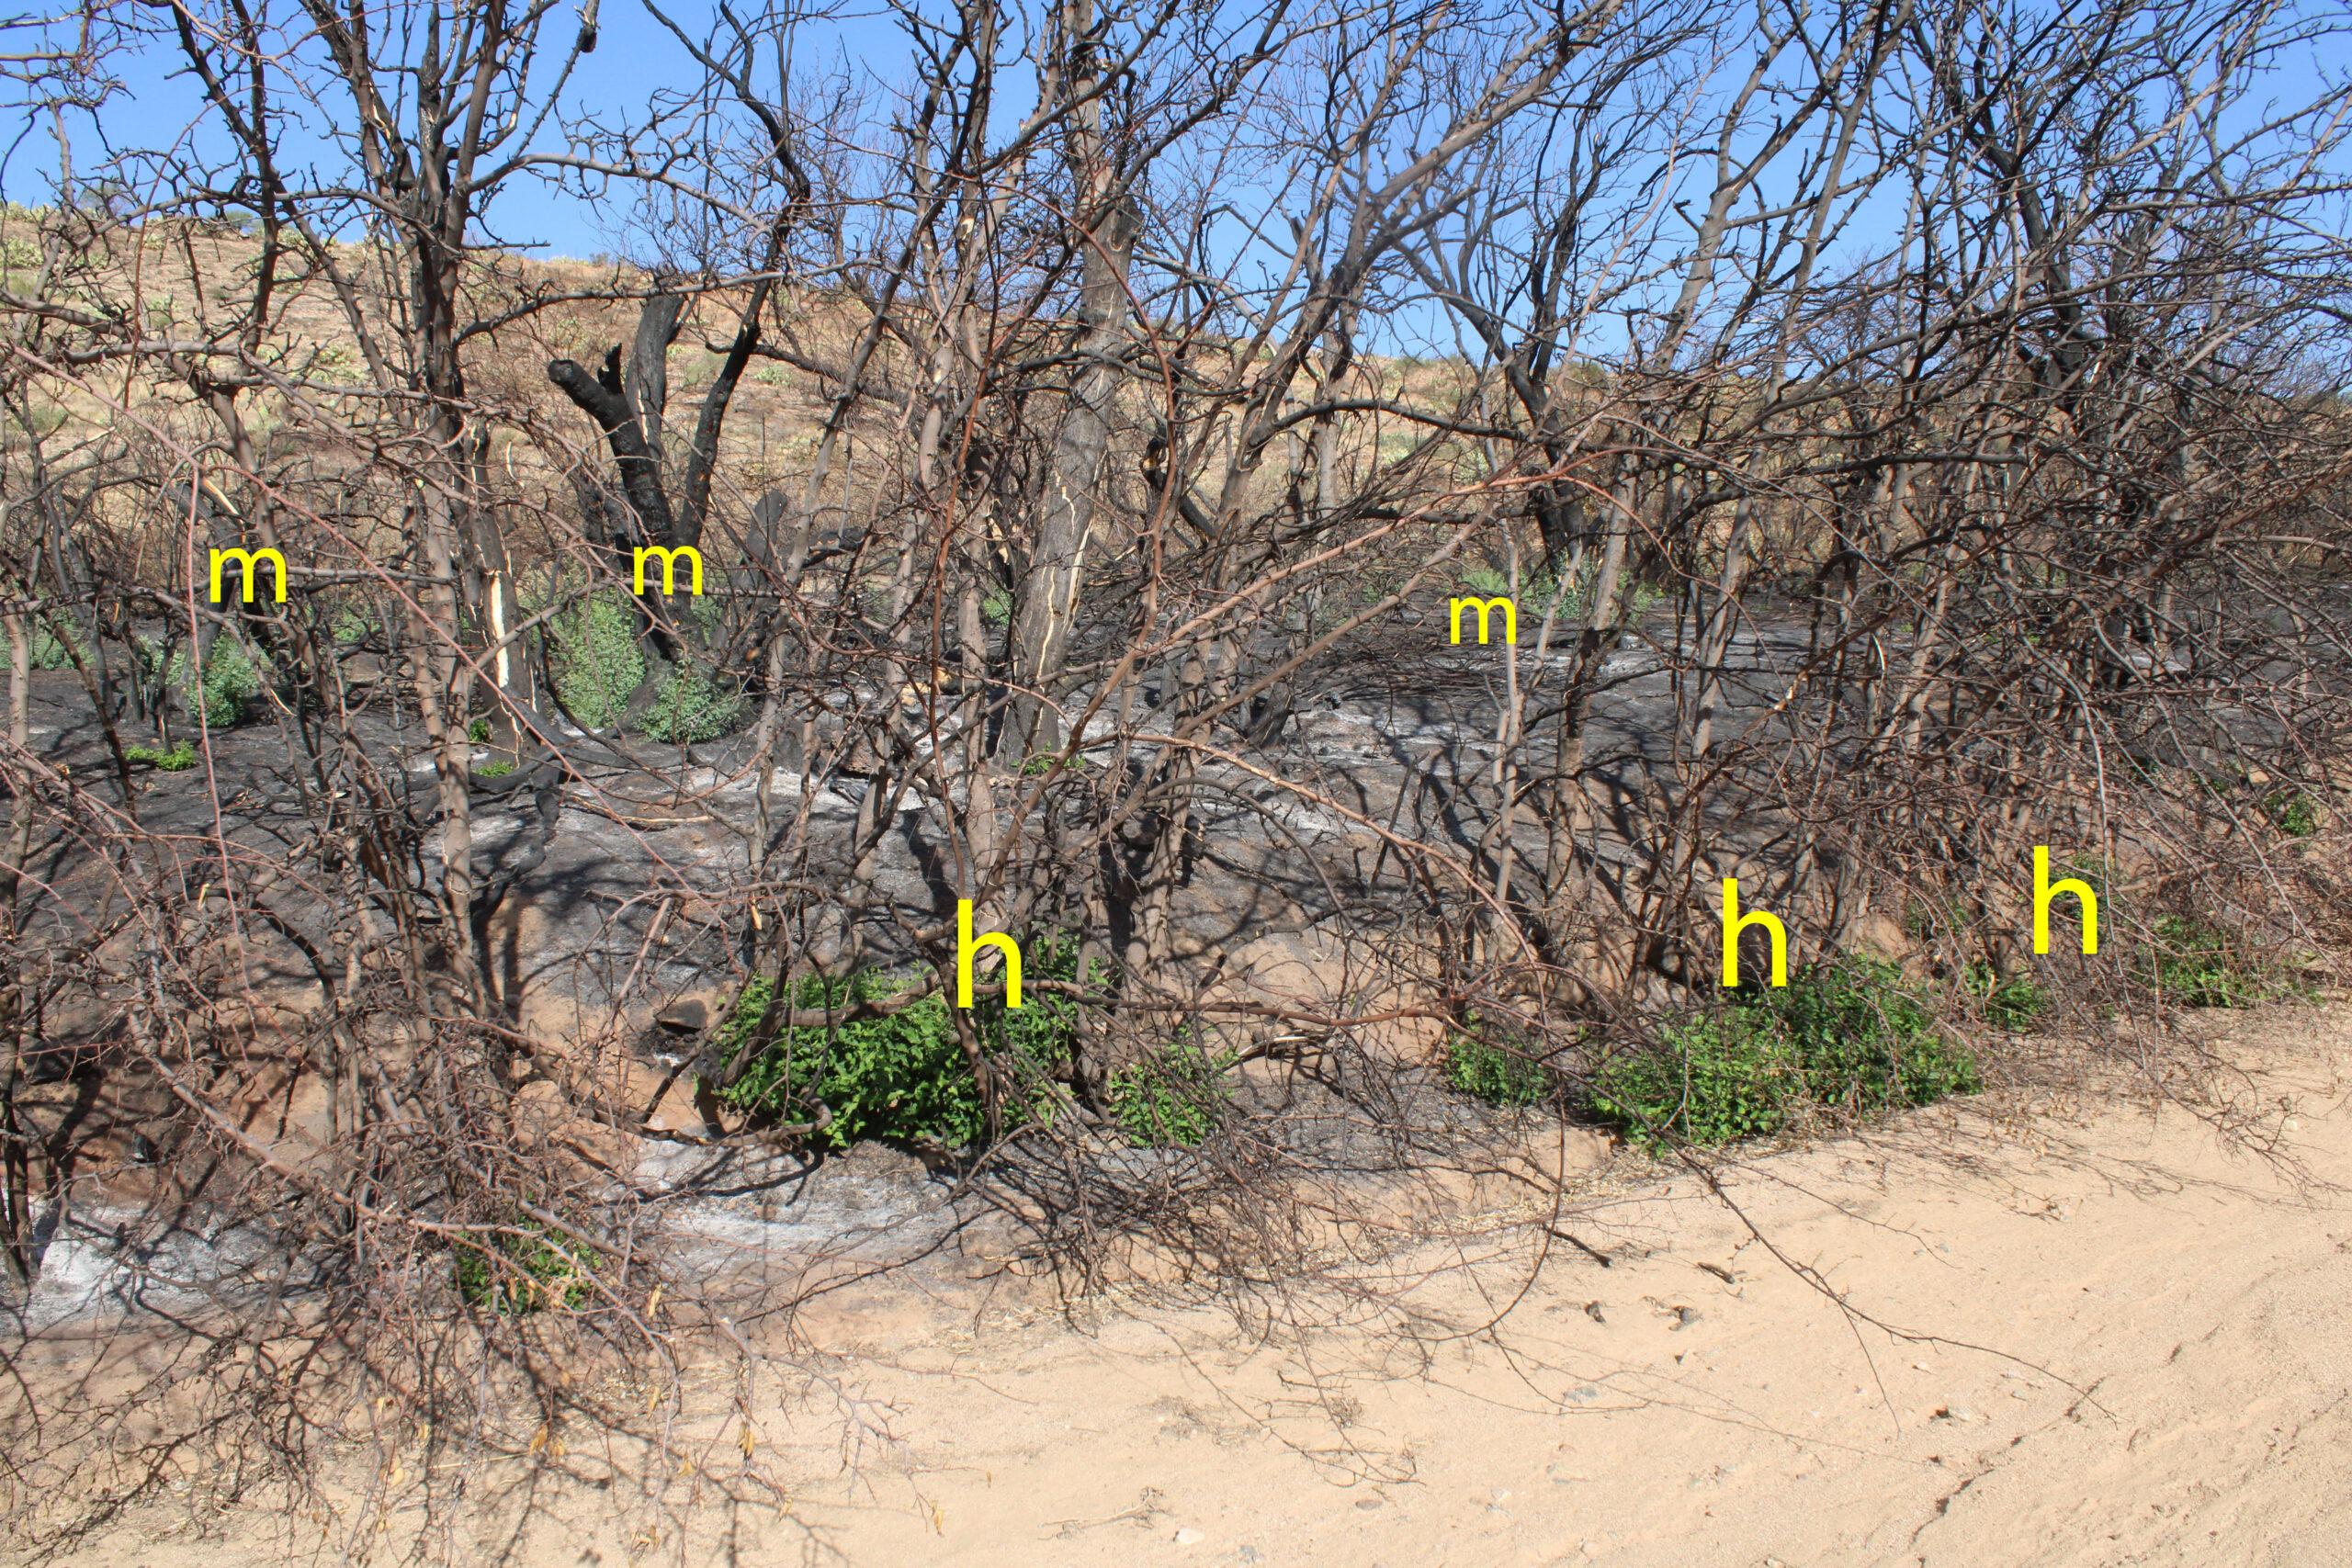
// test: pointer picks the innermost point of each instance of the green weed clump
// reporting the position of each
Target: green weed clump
(2195, 965)
(1841, 1039)
(2293, 813)
(690, 707)
(50, 651)
(223, 694)
(1174, 1096)
(597, 663)
(2013, 1004)
(1573, 592)
(524, 1272)
(351, 624)
(178, 760)
(903, 1079)
(598, 667)
(1497, 1074)
(226, 686)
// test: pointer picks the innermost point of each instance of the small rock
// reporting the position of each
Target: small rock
(2293, 1125)
(1367, 1504)
(1562, 1475)
(1959, 1413)
(1190, 1537)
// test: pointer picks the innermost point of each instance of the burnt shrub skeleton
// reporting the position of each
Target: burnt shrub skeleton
(1028, 486)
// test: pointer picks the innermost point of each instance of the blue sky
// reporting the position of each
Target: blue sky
(637, 57)
(158, 101)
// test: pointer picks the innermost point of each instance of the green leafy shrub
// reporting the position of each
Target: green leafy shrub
(903, 1079)
(525, 1272)
(1709, 1080)
(597, 663)
(1864, 1040)
(2013, 1003)
(1497, 1074)
(2194, 965)
(1845, 1039)
(497, 770)
(179, 759)
(1173, 1098)
(478, 732)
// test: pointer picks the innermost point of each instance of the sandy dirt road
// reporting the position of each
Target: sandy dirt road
(2123, 1342)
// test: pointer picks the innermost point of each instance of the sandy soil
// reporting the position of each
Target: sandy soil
(2121, 1340)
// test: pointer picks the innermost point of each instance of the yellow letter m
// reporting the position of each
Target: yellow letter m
(1484, 606)
(670, 567)
(247, 562)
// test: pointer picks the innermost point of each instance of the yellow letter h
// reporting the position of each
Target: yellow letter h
(967, 947)
(1734, 923)
(2045, 890)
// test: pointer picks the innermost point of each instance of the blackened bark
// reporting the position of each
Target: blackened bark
(600, 398)
(649, 365)
(703, 456)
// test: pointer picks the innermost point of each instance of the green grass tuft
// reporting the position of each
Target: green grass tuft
(50, 651)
